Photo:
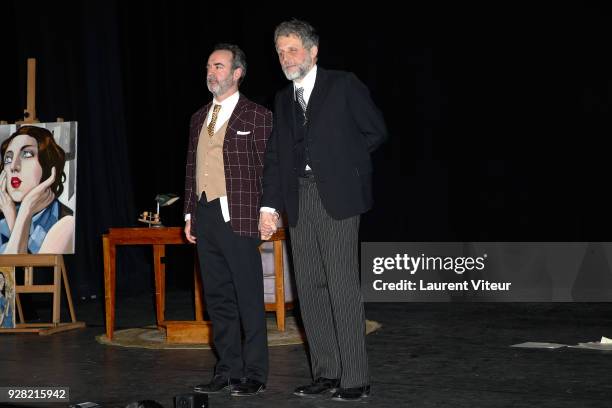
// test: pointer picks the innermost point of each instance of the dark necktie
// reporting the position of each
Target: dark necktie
(213, 120)
(300, 98)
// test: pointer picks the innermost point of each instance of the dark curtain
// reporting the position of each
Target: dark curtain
(499, 117)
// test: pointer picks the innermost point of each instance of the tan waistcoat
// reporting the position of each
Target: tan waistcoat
(210, 173)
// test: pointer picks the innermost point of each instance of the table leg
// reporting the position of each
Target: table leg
(109, 251)
(159, 251)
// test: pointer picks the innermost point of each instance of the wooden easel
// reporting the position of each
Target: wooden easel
(29, 261)
(29, 113)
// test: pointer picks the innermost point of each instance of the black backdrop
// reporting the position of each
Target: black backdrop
(499, 115)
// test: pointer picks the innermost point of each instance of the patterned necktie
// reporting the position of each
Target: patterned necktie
(300, 98)
(213, 120)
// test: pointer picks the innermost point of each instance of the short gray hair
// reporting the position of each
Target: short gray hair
(238, 57)
(301, 29)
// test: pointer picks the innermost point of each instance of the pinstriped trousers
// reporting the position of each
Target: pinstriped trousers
(327, 278)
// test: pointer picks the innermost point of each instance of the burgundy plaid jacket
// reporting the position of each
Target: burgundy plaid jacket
(244, 146)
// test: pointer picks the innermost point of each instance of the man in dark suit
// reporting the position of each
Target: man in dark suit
(318, 170)
(222, 191)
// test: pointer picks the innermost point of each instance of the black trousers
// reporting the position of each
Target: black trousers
(232, 277)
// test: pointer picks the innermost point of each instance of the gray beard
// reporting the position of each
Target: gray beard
(219, 88)
(292, 76)
(301, 72)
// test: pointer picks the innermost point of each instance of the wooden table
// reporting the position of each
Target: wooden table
(177, 331)
(158, 238)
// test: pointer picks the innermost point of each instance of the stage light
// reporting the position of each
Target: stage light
(85, 405)
(191, 401)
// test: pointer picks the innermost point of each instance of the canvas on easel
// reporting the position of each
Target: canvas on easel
(38, 188)
(37, 202)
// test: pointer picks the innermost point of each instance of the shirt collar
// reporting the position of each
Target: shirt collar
(228, 103)
(307, 83)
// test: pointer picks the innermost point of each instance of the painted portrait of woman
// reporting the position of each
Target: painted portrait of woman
(7, 302)
(31, 180)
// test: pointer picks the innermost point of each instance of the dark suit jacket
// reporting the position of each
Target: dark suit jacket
(344, 127)
(243, 157)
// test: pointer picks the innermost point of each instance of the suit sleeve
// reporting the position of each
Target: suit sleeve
(189, 171)
(368, 117)
(272, 196)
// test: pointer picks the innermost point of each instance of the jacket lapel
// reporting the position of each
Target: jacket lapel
(286, 110)
(317, 98)
(240, 107)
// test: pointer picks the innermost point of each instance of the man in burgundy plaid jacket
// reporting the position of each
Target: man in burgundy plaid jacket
(227, 142)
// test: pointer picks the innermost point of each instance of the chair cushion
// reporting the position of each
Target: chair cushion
(267, 260)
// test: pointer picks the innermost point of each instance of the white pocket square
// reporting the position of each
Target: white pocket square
(243, 133)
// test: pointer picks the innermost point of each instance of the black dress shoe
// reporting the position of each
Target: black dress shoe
(319, 386)
(248, 387)
(217, 384)
(352, 394)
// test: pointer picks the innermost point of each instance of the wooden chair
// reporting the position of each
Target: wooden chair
(282, 298)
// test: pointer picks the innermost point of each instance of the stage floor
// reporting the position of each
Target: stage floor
(425, 355)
